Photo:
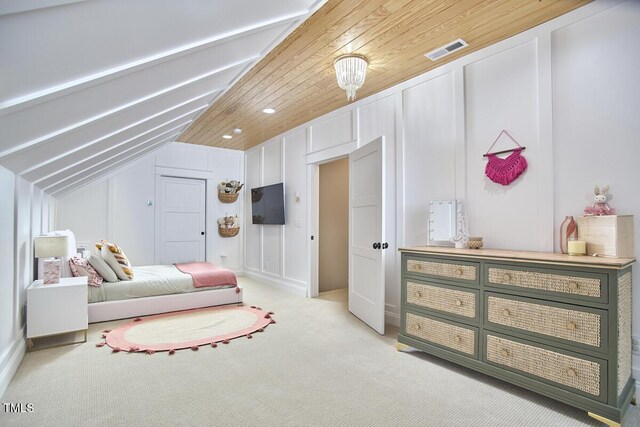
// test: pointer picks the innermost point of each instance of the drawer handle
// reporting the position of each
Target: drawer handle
(458, 272)
(457, 338)
(506, 277)
(418, 266)
(504, 352)
(418, 294)
(458, 303)
(573, 286)
(572, 373)
(506, 312)
(416, 326)
(572, 326)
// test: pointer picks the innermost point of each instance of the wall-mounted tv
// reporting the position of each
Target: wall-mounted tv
(267, 204)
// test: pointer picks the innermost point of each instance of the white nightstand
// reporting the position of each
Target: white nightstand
(57, 309)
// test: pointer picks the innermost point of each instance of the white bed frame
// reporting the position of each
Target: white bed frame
(123, 309)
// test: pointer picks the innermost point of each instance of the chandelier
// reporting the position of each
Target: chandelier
(351, 70)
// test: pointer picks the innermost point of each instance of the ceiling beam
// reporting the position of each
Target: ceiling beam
(26, 164)
(62, 174)
(65, 88)
(128, 105)
(59, 190)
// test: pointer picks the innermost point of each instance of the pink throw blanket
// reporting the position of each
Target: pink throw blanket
(206, 274)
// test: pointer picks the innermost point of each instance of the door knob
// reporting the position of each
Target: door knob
(385, 245)
(202, 233)
(376, 245)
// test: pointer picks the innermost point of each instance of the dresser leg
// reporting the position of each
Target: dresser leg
(604, 420)
(29, 344)
(401, 347)
(633, 399)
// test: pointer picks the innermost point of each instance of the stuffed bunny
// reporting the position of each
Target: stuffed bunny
(600, 207)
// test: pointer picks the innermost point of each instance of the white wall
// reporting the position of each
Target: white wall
(25, 212)
(567, 90)
(117, 208)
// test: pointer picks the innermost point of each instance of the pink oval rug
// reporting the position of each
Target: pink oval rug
(187, 329)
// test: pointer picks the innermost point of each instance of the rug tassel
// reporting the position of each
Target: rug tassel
(272, 321)
(149, 351)
(133, 349)
(261, 330)
(137, 319)
(271, 313)
(253, 306)
(267, 316)
(100, 344)
(107, 330)
(225, 342)
(194, 347)
(249, 336)
(171, 351)
(104, 335)
(214, 345)
(116, 350)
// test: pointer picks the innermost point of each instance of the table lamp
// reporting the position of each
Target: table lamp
(51, 247)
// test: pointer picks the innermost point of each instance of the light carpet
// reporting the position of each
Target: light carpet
(318, 366)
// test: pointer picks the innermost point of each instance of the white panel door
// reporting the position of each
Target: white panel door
(182, 220)
(366, 234)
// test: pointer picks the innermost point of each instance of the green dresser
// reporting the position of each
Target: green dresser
(555, 324)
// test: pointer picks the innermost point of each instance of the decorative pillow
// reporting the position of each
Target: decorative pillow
(101, 267)
(81, 267)
(116, 258)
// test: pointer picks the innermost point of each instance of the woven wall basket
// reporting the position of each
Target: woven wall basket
(228, 197)
(228, 232)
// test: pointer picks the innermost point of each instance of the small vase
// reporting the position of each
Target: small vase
(568, 229)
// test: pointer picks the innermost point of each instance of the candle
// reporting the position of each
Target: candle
(577, 247)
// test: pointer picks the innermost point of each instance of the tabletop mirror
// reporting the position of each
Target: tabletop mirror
(443, 221)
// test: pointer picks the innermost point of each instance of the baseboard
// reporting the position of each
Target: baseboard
(392, 318)
(292, 288)
(10, 361)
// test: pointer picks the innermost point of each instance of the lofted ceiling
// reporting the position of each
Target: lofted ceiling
(297, 78)
(87, 86)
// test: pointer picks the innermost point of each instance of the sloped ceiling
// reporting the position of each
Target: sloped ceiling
(87, 86)
(298, 80)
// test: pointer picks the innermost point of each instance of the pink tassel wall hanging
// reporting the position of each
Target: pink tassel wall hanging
(505, 171)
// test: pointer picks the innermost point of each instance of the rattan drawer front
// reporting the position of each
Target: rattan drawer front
(573, 372)
(445, 334)
(443, 269)
(438, 298)
(564, 284)
(572, 325)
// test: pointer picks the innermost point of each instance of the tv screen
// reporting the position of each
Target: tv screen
(267, 204)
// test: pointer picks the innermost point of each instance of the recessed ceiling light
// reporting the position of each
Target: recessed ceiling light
(237, 131)
(269, 110)
(227, 136)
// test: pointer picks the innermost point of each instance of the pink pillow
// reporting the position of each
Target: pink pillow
(81, 267)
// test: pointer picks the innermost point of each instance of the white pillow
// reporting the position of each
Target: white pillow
(101, 267)
(111, 260)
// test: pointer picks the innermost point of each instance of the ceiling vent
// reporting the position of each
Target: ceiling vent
(443, 51)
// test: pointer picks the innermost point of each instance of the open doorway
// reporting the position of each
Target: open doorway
(333, 227)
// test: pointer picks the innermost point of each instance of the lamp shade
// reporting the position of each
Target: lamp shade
(51, 246)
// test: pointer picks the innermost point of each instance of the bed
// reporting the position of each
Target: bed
(155, 289)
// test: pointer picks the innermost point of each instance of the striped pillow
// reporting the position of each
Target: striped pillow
(116, 258)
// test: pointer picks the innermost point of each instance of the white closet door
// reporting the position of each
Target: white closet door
(182, 220)
(366, 234)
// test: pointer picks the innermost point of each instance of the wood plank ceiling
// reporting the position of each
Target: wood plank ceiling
(297, 78)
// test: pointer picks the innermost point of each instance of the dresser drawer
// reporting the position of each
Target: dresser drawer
(460, 271)
(449, 335)
(560, 283)
(444, 299)
(568, 371)
(557, 321)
